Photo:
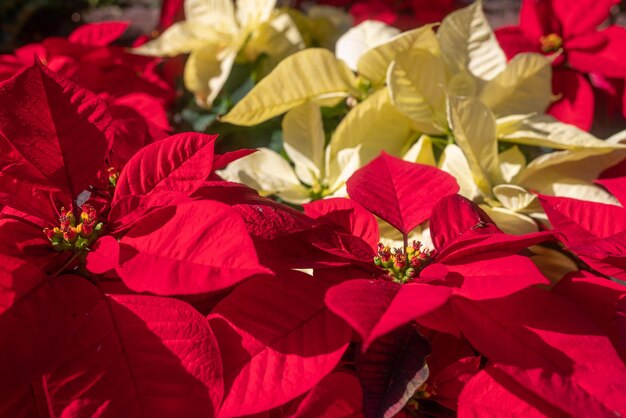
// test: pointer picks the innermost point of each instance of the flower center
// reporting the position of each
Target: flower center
(403, 266)
(423, 392)
(113, 175)
(551, 43)
(73, 234)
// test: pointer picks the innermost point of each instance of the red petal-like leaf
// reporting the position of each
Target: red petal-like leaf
(548, 346)
(576, 103)
(376, 307)
(104, 255)
(453, 216)
(98, 34)
(193, 248)
(179, 163)
(338, 395)
(278, 339)
(492, 393)
(346, 214)
(602, 300)
(53, 134)
(493, 275)
(617, 187)
(401, 193)
(17, 278)
(391, 370)
(78, 352)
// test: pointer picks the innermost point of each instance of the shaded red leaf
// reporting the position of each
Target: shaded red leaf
(376, 307)
(98, 34)
(492, 393)
(391, 370)
(338, 395)
(401, 193)
(17, 278)
(549, 347)
(278, 339)
(78, 352)
(347, 214)
(196, 247)
(53, 134)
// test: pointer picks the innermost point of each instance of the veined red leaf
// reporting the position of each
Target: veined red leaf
(338, 395)
(98, 34)
(193, 248)
(376, 307)
(391, 370)
(179, 163)
(549, 347)
(53, 134)
(580, 221)
(400, 192)
(347, 214)
(79, 352)
(279, 340)
(617, 187)
(491, 393)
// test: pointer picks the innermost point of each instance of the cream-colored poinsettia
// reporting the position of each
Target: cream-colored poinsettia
(217, 32)
(469, 62)
(503, 183)
(320, 169)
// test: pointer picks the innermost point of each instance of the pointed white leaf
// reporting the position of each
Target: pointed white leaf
(524, 86)
(468, 43)
(303, 140)
(374, 63)
(416, 81)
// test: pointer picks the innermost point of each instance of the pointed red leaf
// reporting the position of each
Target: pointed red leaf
(617, 187)
(391, 370)
(492, 275)
(492, 393)
(338, 395)
(179, 163)
(376, 307)
(348, 215)
(278, 339)
(580, 221)
(576, 103)
(53, 134)
(78, 352)
(98, 34)
(548, 346)
(193, 248)
(401, 193)
(453, 216)
(602, 300)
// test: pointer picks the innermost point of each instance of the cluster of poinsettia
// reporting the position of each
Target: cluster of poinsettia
(146, 275)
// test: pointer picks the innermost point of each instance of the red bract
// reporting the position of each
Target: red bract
(595, 232)
(278, 339)
(135, 94)
(549, 26)
(75, 351)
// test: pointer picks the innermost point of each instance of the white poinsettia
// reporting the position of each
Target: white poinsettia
(468, 62)
(503, 183)
(216, 32)
(319, 169)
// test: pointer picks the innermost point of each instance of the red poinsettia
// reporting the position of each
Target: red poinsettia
(572, 30)
(135, 94)
(473, 284)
